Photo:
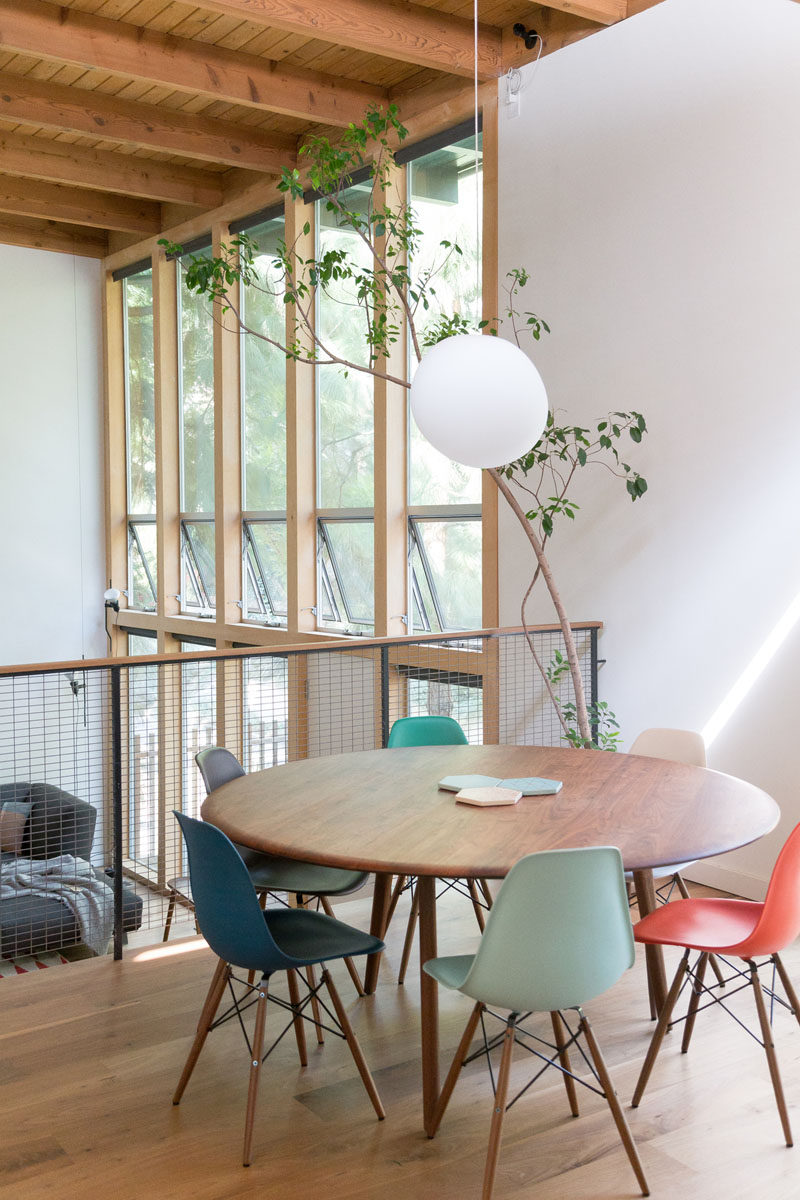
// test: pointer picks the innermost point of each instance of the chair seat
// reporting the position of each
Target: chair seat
(287, 875)
(313, 937)
(451, 970)
(714, 924)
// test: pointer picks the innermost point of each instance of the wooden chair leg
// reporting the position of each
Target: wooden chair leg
(299, 1023)
(694, 1001)
(476, 904)
(316, 1011)
(499, 1110)
(455, 1068)
(614, 1105)
(173, 900)
(772, 1060)
(791, 994)
(397, 891)
(348, 962)
(255, 1072)
(355, 1048)
(660, 1029)
(487, 892)
(215, 992)
(563, 1056)
(409, 942)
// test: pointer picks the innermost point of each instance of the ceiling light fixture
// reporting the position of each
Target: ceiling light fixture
(479, 399)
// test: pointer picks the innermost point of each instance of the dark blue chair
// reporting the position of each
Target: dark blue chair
(282, 939)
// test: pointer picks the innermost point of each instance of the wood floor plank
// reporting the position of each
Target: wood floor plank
(90, 1053)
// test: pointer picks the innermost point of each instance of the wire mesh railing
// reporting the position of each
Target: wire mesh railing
(94, 759)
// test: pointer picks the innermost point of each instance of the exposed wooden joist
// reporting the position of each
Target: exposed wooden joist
(604, 12)
(403, 32)
(49, 235)
(77, 206)
(54, 106)
(68, 35)
(61, 162)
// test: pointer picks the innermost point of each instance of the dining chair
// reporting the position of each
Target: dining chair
(559, 934)
(743, 929)
(430, 731)
(271, 874)
(244, 936)
(683, 746)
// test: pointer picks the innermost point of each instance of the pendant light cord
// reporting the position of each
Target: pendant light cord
(478, 254)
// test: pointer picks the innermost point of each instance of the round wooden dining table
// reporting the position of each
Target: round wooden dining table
(382, 811)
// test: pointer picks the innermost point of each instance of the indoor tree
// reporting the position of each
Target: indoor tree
(395, 298)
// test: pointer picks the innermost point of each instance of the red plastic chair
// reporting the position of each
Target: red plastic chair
(738, 928)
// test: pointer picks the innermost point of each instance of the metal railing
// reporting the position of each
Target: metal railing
(120, 735)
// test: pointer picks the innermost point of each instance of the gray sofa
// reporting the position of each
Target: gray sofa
(57, 823)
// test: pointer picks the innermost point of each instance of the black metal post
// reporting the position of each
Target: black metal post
(593, 685)
(384, 695)
(116, 797)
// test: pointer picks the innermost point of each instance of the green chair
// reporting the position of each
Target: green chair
(263, 942)
(559, 934)
(430, 731)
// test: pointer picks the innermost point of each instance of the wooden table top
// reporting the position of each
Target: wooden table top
(382, 810)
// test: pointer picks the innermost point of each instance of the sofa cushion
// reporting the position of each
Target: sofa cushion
(12, 827)
(58, 823)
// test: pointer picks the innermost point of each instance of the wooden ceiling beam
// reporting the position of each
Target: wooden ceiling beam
(404, 32)
(69, 35)
(61, 162)
(77, 206)
(49, 235)
(95, 114)
(603, 12)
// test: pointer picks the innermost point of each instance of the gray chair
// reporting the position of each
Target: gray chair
(270, 874)
(56, 823)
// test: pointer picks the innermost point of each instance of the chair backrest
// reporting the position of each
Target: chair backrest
(558, 933)
(226, 904)
(676, 745)
(426, 731)
(779, 923)
(217, 766)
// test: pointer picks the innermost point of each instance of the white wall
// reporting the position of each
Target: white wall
(650, 184)
(51, 458)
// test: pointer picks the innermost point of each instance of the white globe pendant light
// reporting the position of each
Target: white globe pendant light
(479, 400)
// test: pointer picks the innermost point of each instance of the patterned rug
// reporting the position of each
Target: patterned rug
(10, 967)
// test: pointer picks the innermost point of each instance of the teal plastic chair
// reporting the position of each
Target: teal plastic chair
(558, 935)
(244, 936)
(430, 731)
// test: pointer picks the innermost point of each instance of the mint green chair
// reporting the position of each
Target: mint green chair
(559, 934)
(430, 731)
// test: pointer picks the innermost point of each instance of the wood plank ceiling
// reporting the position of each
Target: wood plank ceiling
(120, 117)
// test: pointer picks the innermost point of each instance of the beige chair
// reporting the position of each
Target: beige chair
(684, 746)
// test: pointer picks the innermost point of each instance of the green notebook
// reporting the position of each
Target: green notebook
(532, 786)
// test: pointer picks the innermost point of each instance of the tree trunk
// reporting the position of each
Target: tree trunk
(584, 728)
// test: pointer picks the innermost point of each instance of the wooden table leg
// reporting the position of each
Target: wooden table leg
(377, 926)
(654, 955)
(429, 1000)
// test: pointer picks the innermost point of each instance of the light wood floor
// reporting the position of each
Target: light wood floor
(90, 1053)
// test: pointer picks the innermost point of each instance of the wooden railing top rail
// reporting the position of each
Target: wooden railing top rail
(332, 642)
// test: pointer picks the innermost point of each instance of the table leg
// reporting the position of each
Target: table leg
(654, 955)
(429, 1000)
(377, 926)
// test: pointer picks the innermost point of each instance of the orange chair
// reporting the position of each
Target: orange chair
(742, 929)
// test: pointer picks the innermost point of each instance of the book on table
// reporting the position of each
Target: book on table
(487, 797)
(528, 786)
